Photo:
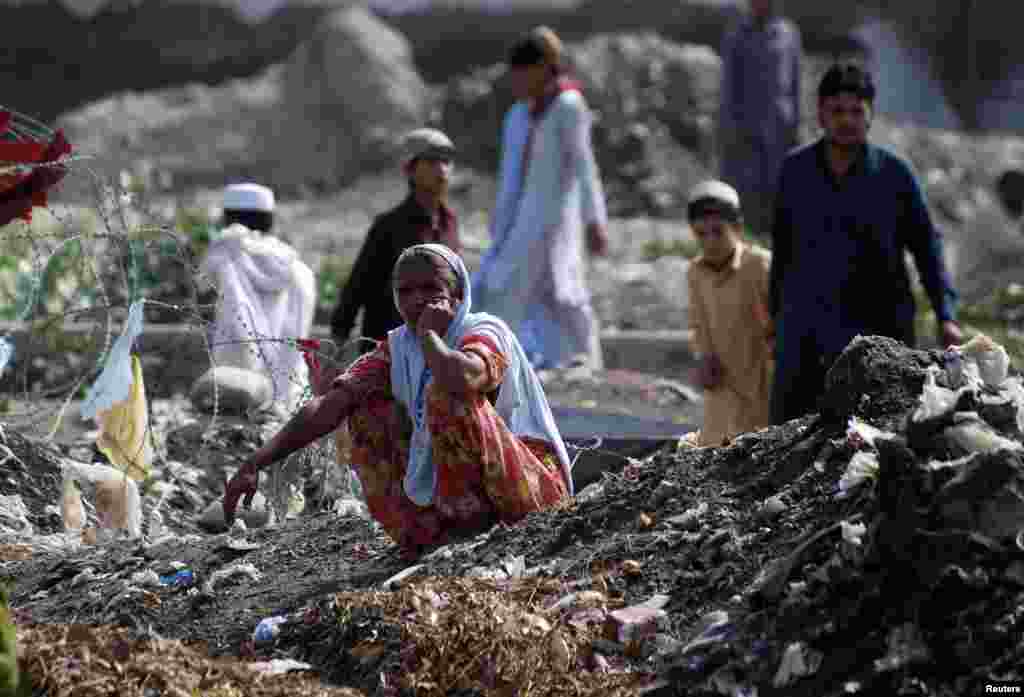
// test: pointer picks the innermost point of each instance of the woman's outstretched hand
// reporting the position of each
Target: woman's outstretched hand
(243, 484)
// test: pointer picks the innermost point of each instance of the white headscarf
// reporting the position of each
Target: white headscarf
(521, 401)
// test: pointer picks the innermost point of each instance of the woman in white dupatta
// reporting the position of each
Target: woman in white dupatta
(451, 430)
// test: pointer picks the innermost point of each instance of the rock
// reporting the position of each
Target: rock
(170, 43)
(293, 126)
(237, 390)
(212, 519)
(348, 92)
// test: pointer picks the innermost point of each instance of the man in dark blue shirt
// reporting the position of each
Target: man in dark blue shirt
(847, 212)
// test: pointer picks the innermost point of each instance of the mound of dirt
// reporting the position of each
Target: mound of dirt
(877, 548)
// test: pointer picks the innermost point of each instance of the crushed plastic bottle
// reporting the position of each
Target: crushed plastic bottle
(184, 577)
(268, 629)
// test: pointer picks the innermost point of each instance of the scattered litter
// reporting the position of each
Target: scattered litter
(230, 572)
(14, 517)
(797, 661)
(590, 492)
(349, 507)
(859, 432)
(656, 602)
(182, 577)
(296, 502)
(935, 400)
(985, 358)
(635, 623)
(268, 629)
(515, 567)
(278, 666)
(115, 496)
(974, 435)
(579, 599)
(853, 532)
(147, 578)
(863, 467)
(396, 581)
(714, 627)
(771, 508)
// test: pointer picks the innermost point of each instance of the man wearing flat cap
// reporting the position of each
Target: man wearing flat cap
(265, 293)
(550, 203)
(424, 216)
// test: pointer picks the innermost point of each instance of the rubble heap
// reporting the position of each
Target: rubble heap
(874, 548)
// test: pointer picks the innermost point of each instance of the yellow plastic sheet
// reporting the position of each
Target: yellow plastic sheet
(124, 430)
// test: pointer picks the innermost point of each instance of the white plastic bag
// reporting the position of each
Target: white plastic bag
(115, 382)
(115, 495)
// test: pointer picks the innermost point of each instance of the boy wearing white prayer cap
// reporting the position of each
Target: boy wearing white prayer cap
(266, 294)
(728, 310)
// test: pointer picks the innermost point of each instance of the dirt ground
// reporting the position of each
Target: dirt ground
(736, 570)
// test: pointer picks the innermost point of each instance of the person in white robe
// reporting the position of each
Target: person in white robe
(267, 295)
(550, 202)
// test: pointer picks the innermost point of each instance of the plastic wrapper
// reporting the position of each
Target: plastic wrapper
(974, 435)
(990, 360)
(115, 381)
(862, 468)
(124, 430)
(115, 496)
(935, 400)
(860, 432)
(853, 533)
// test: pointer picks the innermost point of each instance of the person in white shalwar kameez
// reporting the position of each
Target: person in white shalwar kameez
(266, 294)
(550, 196)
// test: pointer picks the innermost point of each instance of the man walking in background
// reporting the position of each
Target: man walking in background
(550, 197)
(424, 216)
(847, 213)
(760, 110)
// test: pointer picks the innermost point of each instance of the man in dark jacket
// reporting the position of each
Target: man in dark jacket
(846, 214)
(424, 216)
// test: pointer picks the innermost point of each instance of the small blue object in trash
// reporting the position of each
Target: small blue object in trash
(268, 629)
(178, 578)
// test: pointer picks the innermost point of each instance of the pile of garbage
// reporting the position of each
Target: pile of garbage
(914, 583)
(876, 547)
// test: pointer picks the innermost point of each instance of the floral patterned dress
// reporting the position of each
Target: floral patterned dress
(485, 473)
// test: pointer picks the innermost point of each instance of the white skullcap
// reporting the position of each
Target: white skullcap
(248, 197)
(717, 191)
(426, 142)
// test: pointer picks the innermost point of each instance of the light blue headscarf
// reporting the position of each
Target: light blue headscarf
(521, 401)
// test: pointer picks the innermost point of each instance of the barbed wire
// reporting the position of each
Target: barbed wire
(67, 280)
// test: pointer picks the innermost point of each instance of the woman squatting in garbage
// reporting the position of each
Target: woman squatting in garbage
(451, 430)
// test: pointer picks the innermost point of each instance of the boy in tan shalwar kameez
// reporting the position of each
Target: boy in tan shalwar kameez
(729, 316)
